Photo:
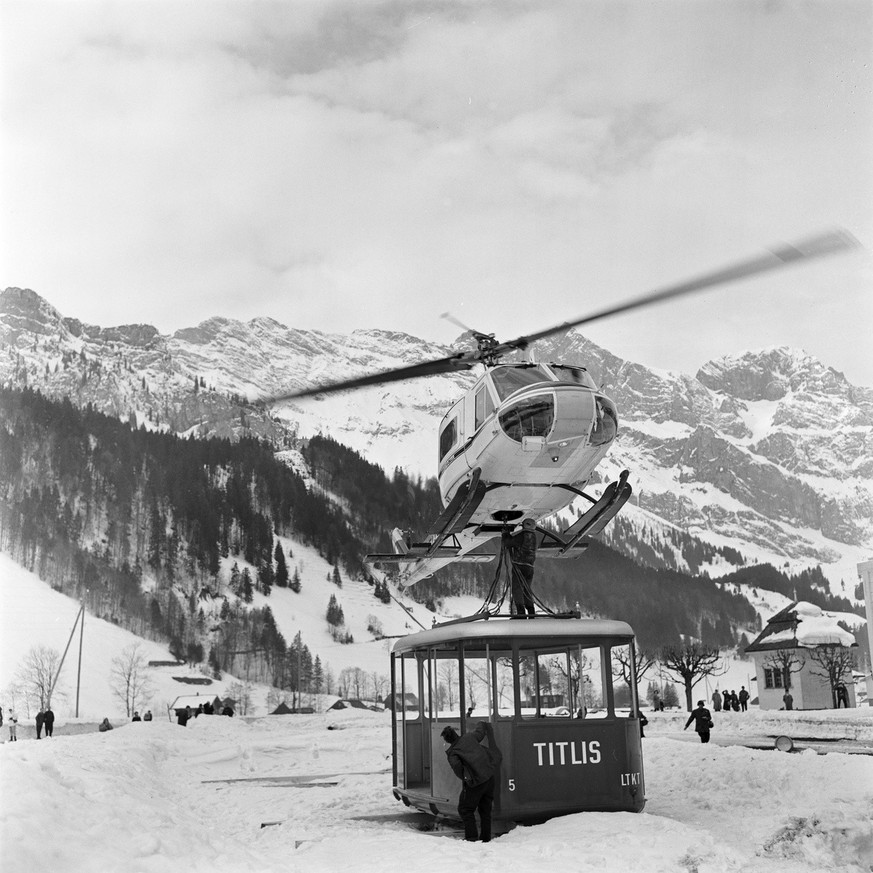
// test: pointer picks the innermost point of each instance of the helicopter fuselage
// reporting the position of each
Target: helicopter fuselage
(535, 433)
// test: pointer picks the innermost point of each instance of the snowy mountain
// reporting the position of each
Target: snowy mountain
(768, 452)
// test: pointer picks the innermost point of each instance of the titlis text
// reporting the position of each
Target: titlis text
(568, 752)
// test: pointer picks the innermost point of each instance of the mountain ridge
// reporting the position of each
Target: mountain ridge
(771, 451)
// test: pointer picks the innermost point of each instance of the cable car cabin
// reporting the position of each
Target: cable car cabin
(546, 686)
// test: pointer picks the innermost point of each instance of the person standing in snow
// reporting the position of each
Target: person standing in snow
(476, 767)
(788, 700)
(726, 703)
(1, 716)
(13, 726)
(716, 701)
(842, 695)
(643, 721)
(147, 716)
(744, 699)
(702, 721)
(48, 720)
(40, 719)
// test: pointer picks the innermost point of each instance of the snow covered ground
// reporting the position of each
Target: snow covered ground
(154, 797)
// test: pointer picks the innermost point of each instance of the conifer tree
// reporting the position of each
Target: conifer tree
(281, 567)
(295, 584)
(335, 616)
(246, 588)
(336, 578)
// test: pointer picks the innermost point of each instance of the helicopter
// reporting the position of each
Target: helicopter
(525, 441)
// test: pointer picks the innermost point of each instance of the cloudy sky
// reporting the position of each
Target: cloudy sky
(341, 165)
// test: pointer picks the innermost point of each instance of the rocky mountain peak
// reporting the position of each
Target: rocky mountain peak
(23, 312)
(770, 374)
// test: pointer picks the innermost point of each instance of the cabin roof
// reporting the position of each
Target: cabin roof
(530, 632)
(800, 625)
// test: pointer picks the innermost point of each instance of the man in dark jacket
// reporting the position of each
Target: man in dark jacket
(475, 766)
(522, 555)
(702, 721)
(48, 721)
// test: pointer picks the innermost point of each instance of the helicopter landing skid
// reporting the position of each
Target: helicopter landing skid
(614, 497)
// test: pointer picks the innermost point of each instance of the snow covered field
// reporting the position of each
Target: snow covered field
(155, 797)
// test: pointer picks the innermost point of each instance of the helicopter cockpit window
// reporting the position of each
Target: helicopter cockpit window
(508, 380)
(573, 375)
(531, 416)
(448, 437)
(605, 422)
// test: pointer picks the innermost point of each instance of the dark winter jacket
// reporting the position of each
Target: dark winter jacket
(701, 718)
(48, 718)
(469, 759)
(523, 547)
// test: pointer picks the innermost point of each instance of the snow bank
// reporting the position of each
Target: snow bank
(153, 797)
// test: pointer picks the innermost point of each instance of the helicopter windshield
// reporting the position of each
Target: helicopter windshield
(508, 380)
(529, 416)
(606, 423)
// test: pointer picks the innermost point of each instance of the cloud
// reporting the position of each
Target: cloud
(340, 165)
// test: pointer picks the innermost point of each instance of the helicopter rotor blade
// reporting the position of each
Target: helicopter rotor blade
(449, 317)
(775, 258)
(779, 256)
(452, 364)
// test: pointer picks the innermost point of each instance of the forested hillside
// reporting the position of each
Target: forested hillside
(135, 523)
(139, 524)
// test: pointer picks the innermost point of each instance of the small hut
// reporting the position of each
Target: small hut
(804, 653)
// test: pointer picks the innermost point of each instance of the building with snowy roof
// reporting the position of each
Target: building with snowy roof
(803, 652)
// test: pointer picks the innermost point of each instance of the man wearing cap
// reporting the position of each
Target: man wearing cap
(476, 766)
(702, 721)
(522, 554)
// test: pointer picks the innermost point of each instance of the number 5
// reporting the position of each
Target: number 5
(512, 784)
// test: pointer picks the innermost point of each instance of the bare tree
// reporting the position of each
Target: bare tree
(129, 678)
(621, 666)
(835, 663)
(380, 684)
(241, 692)
(37, 675)
(691, 662)
(447, 671)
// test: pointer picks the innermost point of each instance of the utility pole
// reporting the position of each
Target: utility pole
(79, 670)
(865, 571)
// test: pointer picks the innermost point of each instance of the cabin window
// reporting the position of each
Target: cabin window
(562, 683)
(605, 422)
(573, 375)
(508, 380)
(484, 406)
(448, 437)
(447, 686)
(532, 416)
(776, 678)
(624, 675)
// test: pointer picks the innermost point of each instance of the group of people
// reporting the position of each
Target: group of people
(138, 717)
(730, 700)
(183, 716)
(45, 719)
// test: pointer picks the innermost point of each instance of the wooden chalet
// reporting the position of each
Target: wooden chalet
(782, 653)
